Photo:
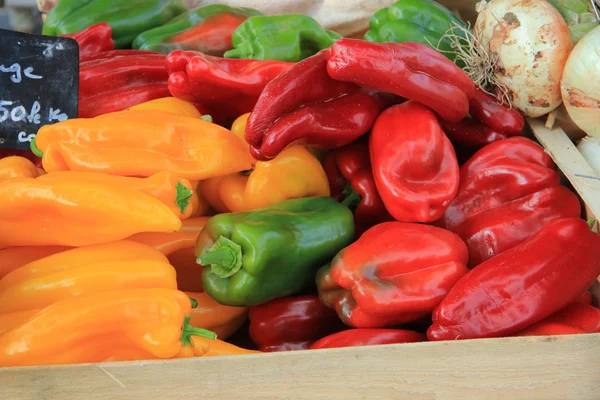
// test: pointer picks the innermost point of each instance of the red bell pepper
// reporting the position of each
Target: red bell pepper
(368, 337)
(351, 182)
(489, 122)
(585, 298)
(395, 273)
(521, 286)
(115, 80)
(229, 86)
(410, 70)
(291, 323)
(575, 318)
(93, 40)
(508, 191)
(304, 105)
(414, 164)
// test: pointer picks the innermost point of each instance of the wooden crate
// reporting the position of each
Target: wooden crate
(558, 367)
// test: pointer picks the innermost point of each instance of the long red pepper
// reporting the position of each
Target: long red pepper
(521, 286)
(368, 337)
(93, 40)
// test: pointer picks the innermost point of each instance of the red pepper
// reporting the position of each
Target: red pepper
(368, 337)
(396, 272)
(586, 298)
(410, 70)
(304, 105)
(291, 323)
(508, 191)
(116, 80)
(229, 86)
(521, 286)
(575, 318)
(414, 164)
(351, 182)
(489, 122)
(93, 40)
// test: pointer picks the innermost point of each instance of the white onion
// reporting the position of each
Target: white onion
(529, 42)
(581, 83)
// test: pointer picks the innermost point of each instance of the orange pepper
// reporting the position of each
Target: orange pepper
(220, 319)
(200, 206)
(15, 257)
(96, 326)
(13, 320)
(71, 273)
(41, 172)
(17, 167)
(179, 249)
(210, 348)
(294, 173)
(142, 143)
(168, 104)
(35, 212)
(174, 192)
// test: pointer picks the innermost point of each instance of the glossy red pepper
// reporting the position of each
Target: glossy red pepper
(414, 164)
(521, 286)
(396, 272)
(116, 80)
(508, 191)
(368, 337)
(291, 323)
(351, 182)
(304, 105)
(93, 40)
(410, 70)
(470, 132)
(575, 318)
(229, 86)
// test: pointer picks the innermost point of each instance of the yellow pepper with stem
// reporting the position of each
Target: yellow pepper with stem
(294, 173)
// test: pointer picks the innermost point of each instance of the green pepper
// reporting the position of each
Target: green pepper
(579, 15)
(284, 38)
(126, 18)
(249, 258)
(421, 21)
(206, 29)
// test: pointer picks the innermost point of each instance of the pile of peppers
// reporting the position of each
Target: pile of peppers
(239, 183)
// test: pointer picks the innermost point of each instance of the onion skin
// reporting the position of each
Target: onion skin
(580, 85)
(529, 42)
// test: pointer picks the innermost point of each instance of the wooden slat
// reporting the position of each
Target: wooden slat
(570, 161)
(560, 367)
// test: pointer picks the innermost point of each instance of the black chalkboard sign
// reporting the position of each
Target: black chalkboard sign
(39, 83)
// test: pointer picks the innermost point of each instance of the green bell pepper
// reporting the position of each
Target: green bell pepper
(421, 21)
(206, 29)
(284, 38)
(579, 15)
(126, 18)
(249, 258)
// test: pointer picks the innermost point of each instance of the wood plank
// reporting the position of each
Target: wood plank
(560, 367)
(568, 158)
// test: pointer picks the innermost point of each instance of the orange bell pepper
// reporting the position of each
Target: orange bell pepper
(168, 104)
(294, 173)
(17, 167)
(13, 320)
(174, 192)
(142, 143)
(15, 257)
(220, 319)
(35, 212)
(97, 326)
(179, 249)
(74, 272)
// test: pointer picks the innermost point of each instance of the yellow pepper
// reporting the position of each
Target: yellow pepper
(175, 192)
(15, 257)
(218, 318)
(17, 167)
(141, 143)
(294, 173)
(168, 104)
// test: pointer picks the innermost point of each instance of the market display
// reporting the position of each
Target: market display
(238, 183)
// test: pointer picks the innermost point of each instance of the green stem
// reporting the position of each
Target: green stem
(194, 302)
(34, 149)
(188, 331)
(223, 259)
(207, 118)
(183, 196)
(352, 198)
(591, 222)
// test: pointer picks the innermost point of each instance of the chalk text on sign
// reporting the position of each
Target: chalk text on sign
(18, 72)
(17, 113)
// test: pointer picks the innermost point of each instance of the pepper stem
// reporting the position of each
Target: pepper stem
(34, 149)
(224, 258)
(182, 197)
(207, 118)
(351, 197)
(591, 222)
(188, 331)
